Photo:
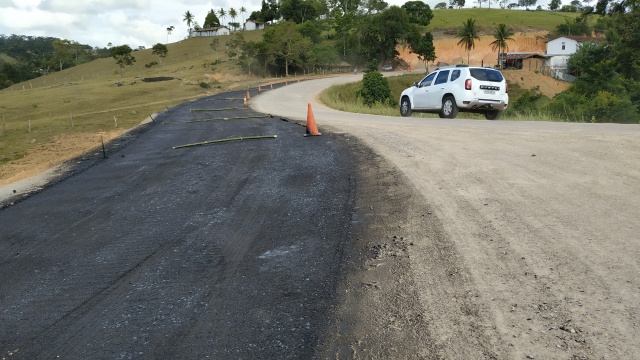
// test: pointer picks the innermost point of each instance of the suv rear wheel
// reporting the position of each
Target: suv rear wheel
(449, 108)
(405, 107)
(492, 114)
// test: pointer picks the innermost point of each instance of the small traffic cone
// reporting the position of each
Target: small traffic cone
(259, 90)
(312, 129)
(248, 95)
(271, 86)
(245, 103)
(286, 82)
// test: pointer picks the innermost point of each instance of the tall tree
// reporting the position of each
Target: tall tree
(211, 20)
(419, 12)
(161, 50)
(554, 5)
(62, 49)
(375, 6)
(298, 11)
(233, 14)
(425, 50)
(243, 10)
(501, 35)
(123, 56)
(188, 18)
(287, 44)
(169, 31)
(270, 10)
(468, 35)
(222, 14)
(380, 34)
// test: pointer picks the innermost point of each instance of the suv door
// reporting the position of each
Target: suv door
(438, 90)
(421, 94)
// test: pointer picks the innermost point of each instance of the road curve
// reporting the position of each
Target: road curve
(539, 221)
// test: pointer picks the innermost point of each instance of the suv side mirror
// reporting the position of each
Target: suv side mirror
(416, 84)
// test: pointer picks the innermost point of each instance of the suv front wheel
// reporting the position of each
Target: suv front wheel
(449, 108)
(405, 107)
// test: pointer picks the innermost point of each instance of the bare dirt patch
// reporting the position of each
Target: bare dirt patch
(48, 155)
(526, 79)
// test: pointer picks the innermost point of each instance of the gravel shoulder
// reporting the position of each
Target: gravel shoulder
(525, 234)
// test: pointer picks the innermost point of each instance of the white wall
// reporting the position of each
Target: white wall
(555, 47)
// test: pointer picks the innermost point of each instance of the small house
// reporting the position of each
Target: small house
(213, 31)
(560, 49)
(253, 25)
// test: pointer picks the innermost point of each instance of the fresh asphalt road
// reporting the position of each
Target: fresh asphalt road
(228, 250)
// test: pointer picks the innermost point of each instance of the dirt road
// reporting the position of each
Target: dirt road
(524, 237)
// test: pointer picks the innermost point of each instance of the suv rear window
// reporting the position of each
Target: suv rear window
(486, 74)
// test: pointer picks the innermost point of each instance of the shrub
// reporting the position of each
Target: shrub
(527, 102)
(607, 107)
(375, 89)
(204, 85)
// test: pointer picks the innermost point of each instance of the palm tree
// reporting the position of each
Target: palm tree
(502, 34)
(233, 14)
(188, 18)
(242, 11)
(468, 36)
(169, 31)
(222, 15)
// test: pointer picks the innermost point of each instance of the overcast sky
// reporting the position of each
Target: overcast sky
(131, 22)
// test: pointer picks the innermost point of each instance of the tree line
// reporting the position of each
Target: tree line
(31, 56)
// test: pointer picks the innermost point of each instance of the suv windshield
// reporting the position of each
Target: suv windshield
(486, 74)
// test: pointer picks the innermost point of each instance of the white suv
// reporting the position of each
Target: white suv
(450, 89)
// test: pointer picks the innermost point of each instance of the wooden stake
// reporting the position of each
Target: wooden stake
(104, 152)
(115, 120)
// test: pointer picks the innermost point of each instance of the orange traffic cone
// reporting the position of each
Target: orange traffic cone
(312, 129)
(271, 86)
(259, 90)
(286, 82)
(248, 95)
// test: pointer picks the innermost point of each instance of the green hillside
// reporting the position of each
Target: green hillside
(487, 19)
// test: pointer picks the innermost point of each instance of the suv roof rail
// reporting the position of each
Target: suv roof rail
(462, 65)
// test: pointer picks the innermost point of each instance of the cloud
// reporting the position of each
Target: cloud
(86, 7)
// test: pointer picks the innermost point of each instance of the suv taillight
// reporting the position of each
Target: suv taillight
(467, 84)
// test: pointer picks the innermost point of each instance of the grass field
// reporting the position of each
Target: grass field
(488, 19)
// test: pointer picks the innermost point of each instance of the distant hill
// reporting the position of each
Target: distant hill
(24, 57)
